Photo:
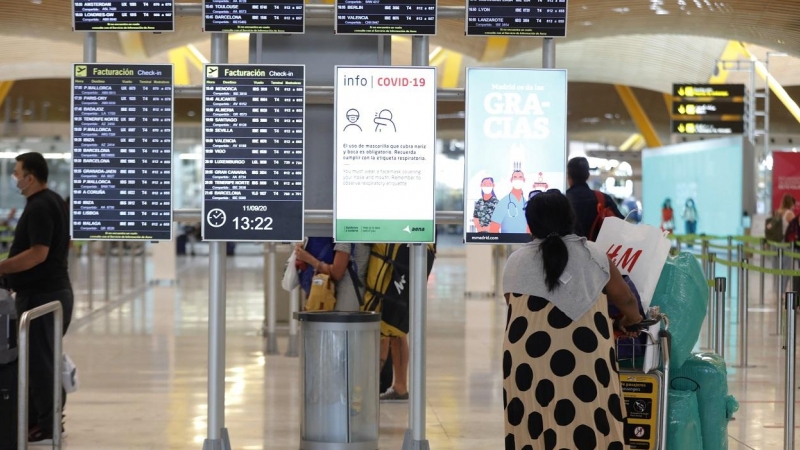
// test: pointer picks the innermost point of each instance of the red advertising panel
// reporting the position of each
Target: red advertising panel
(785, 176)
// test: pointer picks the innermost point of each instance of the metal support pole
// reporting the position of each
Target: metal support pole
(144, 262)
(217, 438)
(415, 436)
(294, 306)
(90, 47)
(704, 250)
(549, 53)
(791, 331)
(272, 338)
(499, 253)
(762, 263)
(719, 338)
(711, 316)
(134, 246)
(120, 270)
(90, 275)
(730, 269)
(22, 382)
(780, 291)
(744, 301)
(107, 270)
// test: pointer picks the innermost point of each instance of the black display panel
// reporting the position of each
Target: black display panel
(708, 90)
(542, 18)
(690, 108)
(253, 134)
(707, 127)
(123, 15)
(253, 16)
(386, 17)
(122, 152)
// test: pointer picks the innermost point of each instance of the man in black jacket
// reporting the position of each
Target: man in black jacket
(36, 270)
(583, 199)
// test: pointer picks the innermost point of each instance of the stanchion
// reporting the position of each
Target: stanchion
(719, 336)
(90, 277)
(272, 338)
(704, 250)
(711, 315)
(107, 270)
(144, 263)
(744, 300)
(132, 259)
(120, 272)
(791, 329)
(294, 306)
(730, 269)
(781, 289)
(761, 273)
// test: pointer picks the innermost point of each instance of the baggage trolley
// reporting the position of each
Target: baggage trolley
(646, 393)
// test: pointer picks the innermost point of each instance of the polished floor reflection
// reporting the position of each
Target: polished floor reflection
(142, 358)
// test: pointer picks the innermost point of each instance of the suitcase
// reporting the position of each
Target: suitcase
(8, 328)
(8, 406)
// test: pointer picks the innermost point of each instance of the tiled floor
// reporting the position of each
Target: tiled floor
(142, 362)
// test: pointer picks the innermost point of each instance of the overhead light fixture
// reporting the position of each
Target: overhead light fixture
(624, 10)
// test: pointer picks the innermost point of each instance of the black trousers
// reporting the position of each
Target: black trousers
(40, 368)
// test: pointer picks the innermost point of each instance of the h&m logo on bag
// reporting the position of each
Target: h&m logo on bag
(628, 259)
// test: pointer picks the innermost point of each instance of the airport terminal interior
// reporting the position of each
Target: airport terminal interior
(686, 111)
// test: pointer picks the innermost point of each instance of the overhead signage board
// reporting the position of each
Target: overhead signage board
(521, 18)
(254, 142)
(516, 146)
(689, 108)
(123, 15)
(708, 90)
(417, 17)
(385, 122)
(708, 108)
(121, 152)
(707, 127)
(253, 16)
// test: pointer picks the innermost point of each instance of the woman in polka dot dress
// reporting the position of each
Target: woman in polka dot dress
(561, 389)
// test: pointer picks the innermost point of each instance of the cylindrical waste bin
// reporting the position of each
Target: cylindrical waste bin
(340, 366)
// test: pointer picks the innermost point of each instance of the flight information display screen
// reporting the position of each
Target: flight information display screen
(253, 16)
(254, 126)
(123, 15)
(122, 152)
(416, 17)
(542, 18)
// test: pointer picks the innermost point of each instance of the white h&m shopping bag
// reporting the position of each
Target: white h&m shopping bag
(638, 251)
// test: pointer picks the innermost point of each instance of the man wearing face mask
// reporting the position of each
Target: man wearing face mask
(36, 270)
(509, 216)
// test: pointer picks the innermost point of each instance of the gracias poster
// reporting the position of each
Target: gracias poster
(516, 129)
(785, 177)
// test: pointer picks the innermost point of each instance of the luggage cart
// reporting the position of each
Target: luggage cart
(646, 393)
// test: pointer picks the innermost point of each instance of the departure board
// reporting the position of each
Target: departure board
(416, 17)
(542, 18)
(254, 127)
(123, 15)
(254, 16)
(121, 152)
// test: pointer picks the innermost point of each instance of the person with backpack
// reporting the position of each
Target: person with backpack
(348, 268)
(590, 206)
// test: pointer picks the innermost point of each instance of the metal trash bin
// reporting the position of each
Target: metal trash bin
(340, 380)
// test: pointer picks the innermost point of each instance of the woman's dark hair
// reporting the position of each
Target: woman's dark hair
(550, 217)
(667, 204)
(490, 179)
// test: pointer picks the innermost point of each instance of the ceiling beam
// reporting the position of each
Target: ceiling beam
(451, 72)
(775, 87)
(180, 67)
(132, 44)
(495, 49)
(732, 51)
(5, 88)
(638, 115)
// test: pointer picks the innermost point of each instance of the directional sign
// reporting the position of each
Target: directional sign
(121, 152)
(707, 127)
(544, 18)
(254, 124)
(123, 15)
(416, 17)
(685, 108)
(254, 16)
(385, 122)
(708, 90)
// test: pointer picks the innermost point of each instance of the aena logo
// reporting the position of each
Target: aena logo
(628, 259)
(418, 229)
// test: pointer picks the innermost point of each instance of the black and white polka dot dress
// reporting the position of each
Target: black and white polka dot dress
(561, 387)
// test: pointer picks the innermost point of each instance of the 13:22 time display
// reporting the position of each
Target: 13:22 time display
(255, 223)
